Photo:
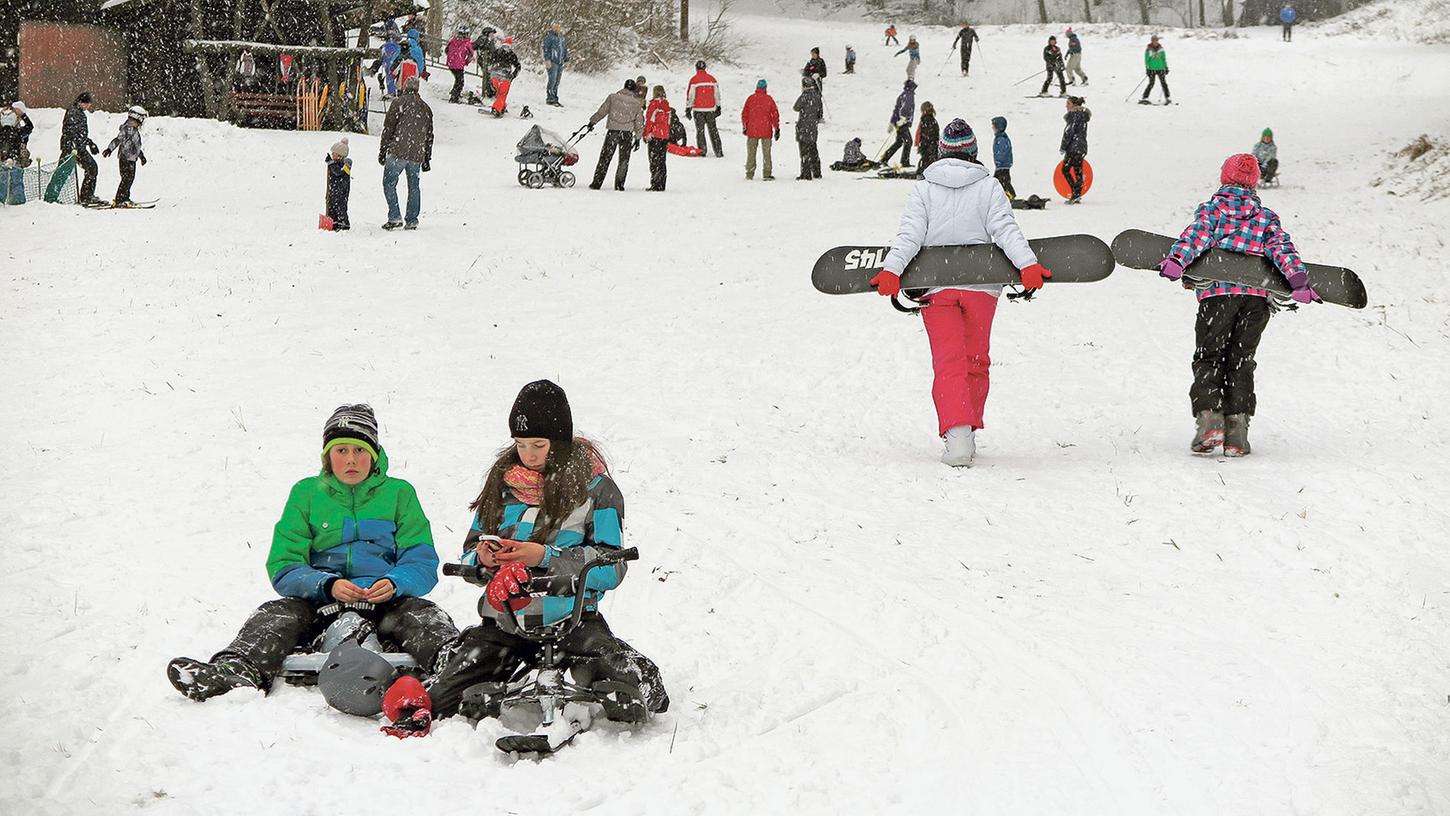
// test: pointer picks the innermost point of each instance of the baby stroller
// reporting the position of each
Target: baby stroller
(543, 155)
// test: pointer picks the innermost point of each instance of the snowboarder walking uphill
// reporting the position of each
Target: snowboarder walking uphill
(1155, 60)
(1287, 16)
(891, 35)
(815, 69)
(914, 58)
(502, 70)
(1002, 155)
(1267, 154)
(1231, 317)
(958, 203)
(625, 123)
(549, 499)
(350, 535)
(1074, 59)
(966, 37)
(809, 110)
(460, 53)
(127, 146)
(702, 101)
(760, 119)
(339, 185)
(1074, 145)
(901, 117)
(1052, 56)
(657, 132)
(75, 135)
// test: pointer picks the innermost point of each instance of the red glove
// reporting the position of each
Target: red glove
(409, 708)
(887, 283)
(1033, 276)
(506, 589)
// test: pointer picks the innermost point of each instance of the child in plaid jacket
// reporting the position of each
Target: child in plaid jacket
(1232, 317)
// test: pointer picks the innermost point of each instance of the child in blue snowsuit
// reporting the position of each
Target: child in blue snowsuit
(1002, 155)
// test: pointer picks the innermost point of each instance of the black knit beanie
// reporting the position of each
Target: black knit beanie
(351, 424)
(541, 411)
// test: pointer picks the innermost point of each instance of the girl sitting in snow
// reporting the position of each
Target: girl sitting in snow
(351, 535)
(1232, 317)
(1267, 154)
(549, 497)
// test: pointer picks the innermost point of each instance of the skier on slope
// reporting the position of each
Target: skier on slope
(75, 135)
(550, 498)
(1052, 56)
(1155, 61)
(1232, 317)
(350, 535)
(901, 118)
(127, 147)
(966, 37)
(958, 203)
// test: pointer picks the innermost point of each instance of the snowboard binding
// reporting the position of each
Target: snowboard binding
(553, 700)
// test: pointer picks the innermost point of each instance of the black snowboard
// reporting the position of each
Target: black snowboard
(1138, 249)
(847, 270)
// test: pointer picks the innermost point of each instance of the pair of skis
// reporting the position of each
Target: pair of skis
(129, 205)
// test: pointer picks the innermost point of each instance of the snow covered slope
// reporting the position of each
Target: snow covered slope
(1088, 622)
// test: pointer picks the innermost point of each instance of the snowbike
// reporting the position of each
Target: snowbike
(542, 699)
(301, 667)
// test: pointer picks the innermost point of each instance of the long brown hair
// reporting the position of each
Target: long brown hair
(567, 473)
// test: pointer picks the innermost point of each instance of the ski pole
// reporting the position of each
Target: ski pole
(1024, 79)
(1135, 88)
(882, 148)
(947, 62)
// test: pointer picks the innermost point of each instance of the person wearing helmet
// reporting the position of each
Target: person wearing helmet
(351, 538)
(556, 53)
(460, 53)
(127, 146)
(702, 101)
(501, 73)
(483, 48)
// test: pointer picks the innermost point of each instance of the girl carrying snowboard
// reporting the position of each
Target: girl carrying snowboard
(1232, 317)
(350, 535)
(548, 495)
(958, 202)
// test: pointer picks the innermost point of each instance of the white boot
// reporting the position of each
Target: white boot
(961, 446)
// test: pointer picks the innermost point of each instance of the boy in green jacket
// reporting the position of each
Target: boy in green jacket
(349, 538)
(1155, 59)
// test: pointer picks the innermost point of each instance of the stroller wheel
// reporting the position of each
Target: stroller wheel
(535, 180)
(566, 179)
(524, 178)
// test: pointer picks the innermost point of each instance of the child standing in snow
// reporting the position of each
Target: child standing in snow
(1002, 155)
(914, 56)
(127, 146)
(339, 185)
(1267, 154)
(958, 203)
(549, 496)
(927, 134)
(891, 35)
(1232, 317)
(351, 536)
(850, 60)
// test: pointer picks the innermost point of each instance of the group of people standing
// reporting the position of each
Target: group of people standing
(75, 140)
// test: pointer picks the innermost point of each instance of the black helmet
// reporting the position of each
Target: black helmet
(354, 679)
(699, 65)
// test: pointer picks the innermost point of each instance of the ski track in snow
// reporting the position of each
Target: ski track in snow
(1090, 621)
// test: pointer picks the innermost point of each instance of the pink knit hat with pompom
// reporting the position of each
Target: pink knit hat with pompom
(1240, 169)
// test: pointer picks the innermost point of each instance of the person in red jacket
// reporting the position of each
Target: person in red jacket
(702, 102)
(761, 120)
(657, 131)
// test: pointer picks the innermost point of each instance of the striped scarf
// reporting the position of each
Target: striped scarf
(527, 485)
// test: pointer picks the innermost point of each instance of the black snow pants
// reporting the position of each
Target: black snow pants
(1004, 175)
(620, 141)
(486, 653)
(966, 60)
(338, 191)
(419, 627)
(128, 175)
(903, 141)
(706, 120)
(1228, 332)
(457, 92)
(86, 162)
(658, 149)
(810, 159)
(1072, 171)
(926, 154)
(1055, 70)
(1160, 76)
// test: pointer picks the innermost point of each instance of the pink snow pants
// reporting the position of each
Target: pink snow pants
(959, 327)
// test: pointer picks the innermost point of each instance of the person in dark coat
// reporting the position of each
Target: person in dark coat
(406, 147)
(927, 134)
(339, 185)
(901, 119)
(483, 48)
(75, 135)
(966, 37)
(816, 69)
(15, 130)
(1074, 145)
(809, 111)
(1052, 57)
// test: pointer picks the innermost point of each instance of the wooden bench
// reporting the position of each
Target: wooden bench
(245, 104)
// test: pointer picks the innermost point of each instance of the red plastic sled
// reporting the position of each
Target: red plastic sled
(1059, 181)
(685, 150)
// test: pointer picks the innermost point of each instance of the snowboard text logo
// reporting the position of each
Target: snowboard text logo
(865, 258)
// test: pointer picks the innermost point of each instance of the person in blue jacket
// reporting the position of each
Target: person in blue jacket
(1002, 155)
(556, 53)
(901, 118)
(1287, 16)
(387, 61)
(415, 52)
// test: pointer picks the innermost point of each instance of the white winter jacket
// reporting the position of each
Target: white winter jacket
(958, 203)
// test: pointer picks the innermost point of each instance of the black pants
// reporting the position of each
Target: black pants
(658, 149)
(1072, 171)
(1227, 335)
(706, 120)
(1269, 170)
(1288, 35)
(128, 175)
(850, 67)
(966, 60)
(810, 158)
(927, 153)
(278, 627)
(620, 141)
(1004, 175)
(1160, 76)
(87, 163)
(485, 653)
(1054, 70)
(903, 141)
(338, 192)
(457, 92)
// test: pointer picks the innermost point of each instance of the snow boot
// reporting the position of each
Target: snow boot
(1144, 101)
(1209, 432)
(392, 225)
(623, 702)
(1236, 435)
(961, 446)
(201, 681)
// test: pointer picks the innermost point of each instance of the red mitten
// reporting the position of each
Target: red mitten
(404, 697)
(506, 589)
(1033, 276)
(887, 283)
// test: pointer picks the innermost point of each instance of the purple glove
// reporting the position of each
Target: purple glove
(1170, 269)
(1306, 295)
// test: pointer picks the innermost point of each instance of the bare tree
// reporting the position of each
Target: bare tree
(685, 20)
(1042, 10)
(1228, 12)
(1087, 10)
(1142, 8)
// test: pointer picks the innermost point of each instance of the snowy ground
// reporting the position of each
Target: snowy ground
(1090, 621)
